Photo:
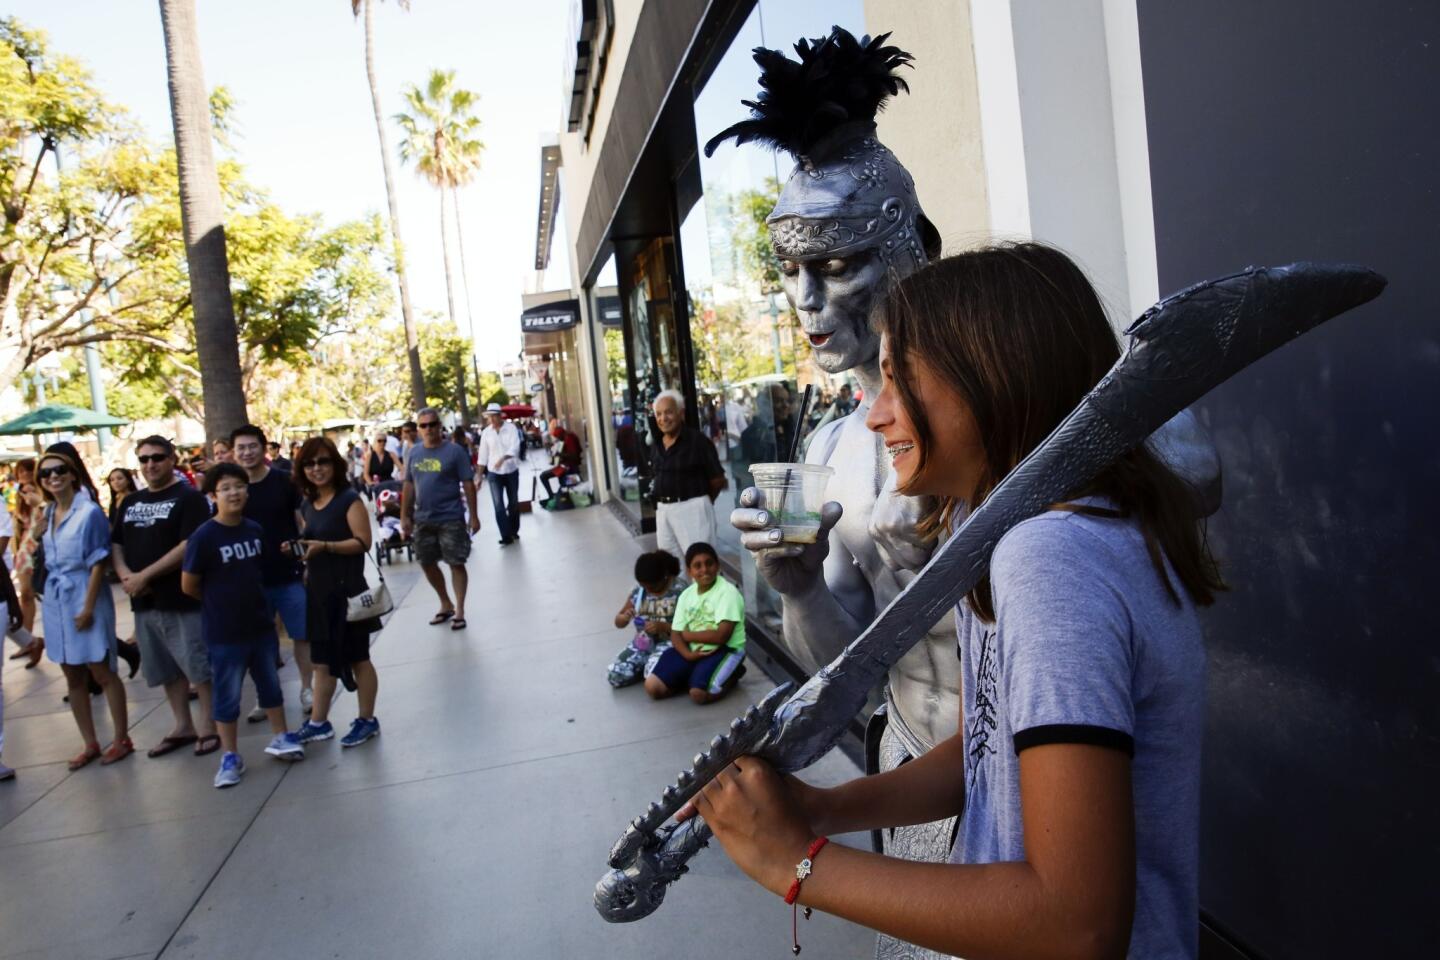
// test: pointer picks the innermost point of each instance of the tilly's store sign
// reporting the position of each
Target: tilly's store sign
(549, 317)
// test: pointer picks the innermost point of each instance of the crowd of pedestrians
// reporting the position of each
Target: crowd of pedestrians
(217, 554)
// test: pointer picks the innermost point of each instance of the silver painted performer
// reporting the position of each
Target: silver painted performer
(847, 225)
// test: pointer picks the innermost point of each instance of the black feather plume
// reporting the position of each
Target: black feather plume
(837, 79)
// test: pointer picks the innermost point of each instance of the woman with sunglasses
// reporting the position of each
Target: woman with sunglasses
(1076, 769)
(333, 545)
(78, 610)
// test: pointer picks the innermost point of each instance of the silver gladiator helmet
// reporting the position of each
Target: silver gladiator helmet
(847, 192)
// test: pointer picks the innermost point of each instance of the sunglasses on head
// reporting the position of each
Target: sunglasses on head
(45, 473)
(152, 457)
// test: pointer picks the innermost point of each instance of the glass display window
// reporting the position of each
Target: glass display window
(752, 362)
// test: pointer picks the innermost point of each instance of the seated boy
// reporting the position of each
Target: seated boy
(707, 634)
(222, 570)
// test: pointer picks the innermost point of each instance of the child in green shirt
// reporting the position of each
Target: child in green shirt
(707, 635)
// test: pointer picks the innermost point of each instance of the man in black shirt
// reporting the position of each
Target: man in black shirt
(276, 460)
(149, 544)
(274, 503)
(687, 478)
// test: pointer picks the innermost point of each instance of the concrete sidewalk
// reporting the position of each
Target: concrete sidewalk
(475, 826)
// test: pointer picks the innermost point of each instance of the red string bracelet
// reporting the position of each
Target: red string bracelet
(803, 869)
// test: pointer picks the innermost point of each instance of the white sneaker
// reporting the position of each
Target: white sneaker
(256, 715)
(307, 699)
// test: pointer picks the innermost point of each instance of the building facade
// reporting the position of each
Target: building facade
(1159, 144)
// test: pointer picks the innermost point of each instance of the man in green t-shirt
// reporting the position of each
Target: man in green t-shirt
(707, 634)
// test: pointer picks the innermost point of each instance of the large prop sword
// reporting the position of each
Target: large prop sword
(1179, 350)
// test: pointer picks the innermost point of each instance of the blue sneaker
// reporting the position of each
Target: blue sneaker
(313, 731)
(232, 768)
(286, 746)
(360, 731)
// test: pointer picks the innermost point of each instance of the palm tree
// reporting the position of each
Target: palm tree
(412, 339)
(439, 140)
(202, 216)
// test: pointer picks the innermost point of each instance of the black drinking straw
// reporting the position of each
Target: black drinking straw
(794, 450)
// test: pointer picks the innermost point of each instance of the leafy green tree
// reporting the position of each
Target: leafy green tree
(73, 241)
(412, 342)
(439, 140)
(446, 353)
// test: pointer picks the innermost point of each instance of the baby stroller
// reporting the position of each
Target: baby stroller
(387, 517)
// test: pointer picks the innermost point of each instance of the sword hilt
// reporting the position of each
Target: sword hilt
(649, 856)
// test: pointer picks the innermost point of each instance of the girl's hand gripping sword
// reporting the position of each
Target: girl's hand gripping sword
(1179, 350)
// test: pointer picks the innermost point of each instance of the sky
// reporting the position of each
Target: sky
(306, 127)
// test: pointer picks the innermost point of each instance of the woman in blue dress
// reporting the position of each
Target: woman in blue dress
(78, 610)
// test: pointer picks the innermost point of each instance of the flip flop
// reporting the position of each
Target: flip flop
(441, 617)
(458, 623)
(92, 752)
(207, 744)
(170, 745)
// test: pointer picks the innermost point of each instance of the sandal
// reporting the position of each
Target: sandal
(92, 752)
(458, 623)
(207, 744)
(170, 745)
(441, 617)
(37, 650)
(118, 750)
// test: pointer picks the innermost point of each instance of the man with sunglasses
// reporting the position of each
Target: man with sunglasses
(274, 503)
(149, 544)
(436, 471)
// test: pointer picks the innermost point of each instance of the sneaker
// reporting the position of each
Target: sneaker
(232, 768)
(360, 731)
(286, 746)
(256, 715)
(307, 699)
(6, 773)
(314, 731)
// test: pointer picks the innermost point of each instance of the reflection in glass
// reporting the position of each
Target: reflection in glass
(752, 362)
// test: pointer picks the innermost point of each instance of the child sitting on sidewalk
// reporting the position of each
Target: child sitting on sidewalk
(707, 634)
(222, 571)
(649, 607)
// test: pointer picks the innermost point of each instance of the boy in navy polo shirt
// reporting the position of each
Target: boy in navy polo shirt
(222, 570)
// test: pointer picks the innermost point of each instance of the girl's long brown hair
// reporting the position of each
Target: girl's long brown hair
(1018, 332)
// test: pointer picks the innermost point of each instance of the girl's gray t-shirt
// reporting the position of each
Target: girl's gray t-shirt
(1088, 647)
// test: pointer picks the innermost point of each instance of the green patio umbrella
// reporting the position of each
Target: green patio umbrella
(55, 417)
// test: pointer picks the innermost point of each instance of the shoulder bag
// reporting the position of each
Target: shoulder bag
(371, 602)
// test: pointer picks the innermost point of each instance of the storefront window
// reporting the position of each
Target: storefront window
(623, 441)
(752, 362)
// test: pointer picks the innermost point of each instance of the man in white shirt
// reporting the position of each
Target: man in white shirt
(499, 461)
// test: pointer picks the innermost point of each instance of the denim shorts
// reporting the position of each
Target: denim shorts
(230, 661)
(448, 540)
(288, 600)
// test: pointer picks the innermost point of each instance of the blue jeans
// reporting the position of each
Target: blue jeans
(503, 486)
(230, 662)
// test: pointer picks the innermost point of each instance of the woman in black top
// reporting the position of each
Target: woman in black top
(121, 483)
(334, 542)
(379, 465)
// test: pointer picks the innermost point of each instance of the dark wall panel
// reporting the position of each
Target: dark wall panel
(1310, 129)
